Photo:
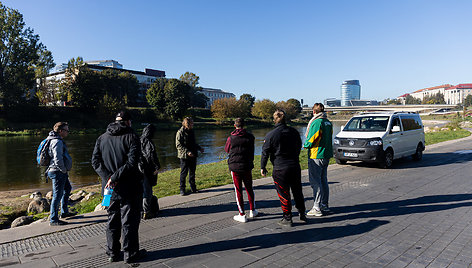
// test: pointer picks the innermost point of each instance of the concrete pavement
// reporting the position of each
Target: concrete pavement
(417, 214)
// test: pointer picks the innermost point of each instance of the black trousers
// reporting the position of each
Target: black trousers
(286, 180)
(189, 166)
(124, 214)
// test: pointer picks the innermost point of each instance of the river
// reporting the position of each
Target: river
(19, 171)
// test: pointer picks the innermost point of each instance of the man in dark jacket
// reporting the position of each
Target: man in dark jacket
(187, 152)
(282, 145)
(240, 147)
(149, 166)
(115, 159)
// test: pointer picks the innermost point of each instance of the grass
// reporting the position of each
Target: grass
(436, 137)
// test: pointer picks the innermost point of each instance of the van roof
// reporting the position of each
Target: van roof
(386, 113)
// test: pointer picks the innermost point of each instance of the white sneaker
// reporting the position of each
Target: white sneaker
(253, 213)
(240, 218)
(315, 212)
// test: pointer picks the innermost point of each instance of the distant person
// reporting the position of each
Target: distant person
(319, 142)
(60, 165)
(115, 159)
(149, 166)
(282, 145)
(187, 152)
(240, 147)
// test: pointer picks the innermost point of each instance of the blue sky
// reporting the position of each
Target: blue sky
(270, 49)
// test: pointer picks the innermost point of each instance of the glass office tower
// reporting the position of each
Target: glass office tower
(350, 90)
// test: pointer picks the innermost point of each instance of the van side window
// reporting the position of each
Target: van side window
(410, 122)
(395, 122)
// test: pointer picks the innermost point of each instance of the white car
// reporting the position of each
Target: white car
(381, 138)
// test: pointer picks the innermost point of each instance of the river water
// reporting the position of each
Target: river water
(19, 171)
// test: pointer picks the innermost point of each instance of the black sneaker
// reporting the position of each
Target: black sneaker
(137, 256)
(194, 191)
(285, 222)
(182, 192)
(68, 214)
(112, 259)
(303, 218)
(57, 223)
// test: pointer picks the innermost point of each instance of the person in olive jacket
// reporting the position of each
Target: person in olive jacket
(240, 147)
(115, 159)
(149, 166)
(187, 152)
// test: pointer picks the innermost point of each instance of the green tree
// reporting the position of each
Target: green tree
(229, 108)
(86, 90)
(264, 109)
(393, 101)
(22, 56)
(248, 98)
(468, 101)
(170, 97)
(437, 98)
(197, 98)
(190, 78)
(412, 100)
(295, 103)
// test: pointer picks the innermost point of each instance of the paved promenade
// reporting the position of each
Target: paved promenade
(414, 215)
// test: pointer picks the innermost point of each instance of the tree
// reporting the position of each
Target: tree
(437, 98)
(197, 98)
(21, 54)
(264, 109)
(295, 103)
(229, 108)
(412, 100)
(190, 78)
(86, 91)
(468, 101)
(290, 108)
(248, 98)
(170, 97)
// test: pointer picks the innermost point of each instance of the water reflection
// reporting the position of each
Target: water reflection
(18, 168)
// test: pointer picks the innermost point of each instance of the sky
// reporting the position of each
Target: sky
(268, 48)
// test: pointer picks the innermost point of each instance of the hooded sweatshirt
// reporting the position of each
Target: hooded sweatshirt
(115, 156)
(240, 147)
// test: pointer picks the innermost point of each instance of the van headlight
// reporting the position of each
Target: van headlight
(375, 143)
(336, 142)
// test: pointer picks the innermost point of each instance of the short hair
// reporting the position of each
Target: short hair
(187, 121)
(123, 116)
(318, 108)
(59, 126)
(239, 122)
(279, 116)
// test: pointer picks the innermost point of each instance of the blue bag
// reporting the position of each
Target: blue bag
(107, 197)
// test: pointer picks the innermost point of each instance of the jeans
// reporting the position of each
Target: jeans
(189, 166)
(60, 193)
(147, 195)
(318, 175)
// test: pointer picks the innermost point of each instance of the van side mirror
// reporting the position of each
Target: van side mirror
(396, 129)
(342, 127)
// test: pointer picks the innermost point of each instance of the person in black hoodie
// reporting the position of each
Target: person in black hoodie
(149, 166)
(115, 159)
(282, 145)
(240, 147)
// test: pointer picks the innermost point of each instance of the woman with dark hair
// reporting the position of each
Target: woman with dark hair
(149, 166)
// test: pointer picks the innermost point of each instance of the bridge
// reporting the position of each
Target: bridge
(418, 108)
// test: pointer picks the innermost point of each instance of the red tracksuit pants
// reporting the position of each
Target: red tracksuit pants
(238, 179)
(286, 180)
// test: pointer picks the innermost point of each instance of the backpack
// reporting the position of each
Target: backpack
(42, 154)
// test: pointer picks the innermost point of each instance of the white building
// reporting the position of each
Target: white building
(350, 90)
(430, 91)
(145, 79)
(215, 94)
(457, 94)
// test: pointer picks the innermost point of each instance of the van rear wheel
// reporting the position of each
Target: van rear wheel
(387, 162)
(419, 153)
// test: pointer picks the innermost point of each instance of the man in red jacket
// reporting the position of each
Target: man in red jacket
(240, 147)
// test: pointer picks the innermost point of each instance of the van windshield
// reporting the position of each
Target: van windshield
(367, 123)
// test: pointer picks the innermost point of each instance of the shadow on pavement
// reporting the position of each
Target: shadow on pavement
(402, 207)
(258, 242)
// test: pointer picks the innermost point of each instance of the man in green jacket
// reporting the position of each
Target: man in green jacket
(319, 142)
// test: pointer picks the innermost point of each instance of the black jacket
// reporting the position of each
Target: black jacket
(240, 146)
(149, 162)
(282, 145)
(116, 155)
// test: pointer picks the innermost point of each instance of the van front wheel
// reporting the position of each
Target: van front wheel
(419, 153)
(388, 159)
(340, 162)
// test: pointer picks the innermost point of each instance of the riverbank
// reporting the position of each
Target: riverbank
(15, 203)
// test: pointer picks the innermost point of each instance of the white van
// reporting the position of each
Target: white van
(380, 137)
